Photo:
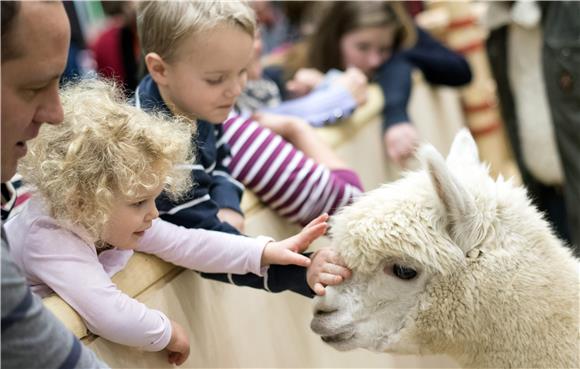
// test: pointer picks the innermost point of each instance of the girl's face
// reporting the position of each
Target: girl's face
(367, 48)
(130, 219)
(210, 73)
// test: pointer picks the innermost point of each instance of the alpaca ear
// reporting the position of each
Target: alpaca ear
(463, 150)
(458, 203)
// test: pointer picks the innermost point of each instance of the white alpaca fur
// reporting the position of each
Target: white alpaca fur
(494, 287)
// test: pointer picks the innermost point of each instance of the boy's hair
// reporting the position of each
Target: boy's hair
(105, 148)
(162, 25)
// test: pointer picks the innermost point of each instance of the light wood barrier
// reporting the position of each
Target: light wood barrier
(240, 327)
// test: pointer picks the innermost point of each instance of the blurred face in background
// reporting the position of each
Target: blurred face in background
(39, 40)
(367, 48)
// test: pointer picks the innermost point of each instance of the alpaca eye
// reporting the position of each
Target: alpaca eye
(403, 272)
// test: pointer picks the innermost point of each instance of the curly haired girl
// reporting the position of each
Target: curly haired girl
(96, 177)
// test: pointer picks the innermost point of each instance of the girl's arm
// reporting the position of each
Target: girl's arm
(439, 65)
(329, 104)
(203, 250)
(71, 268)
(218, 252)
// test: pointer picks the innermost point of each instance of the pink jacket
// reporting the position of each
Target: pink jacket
(62, 259)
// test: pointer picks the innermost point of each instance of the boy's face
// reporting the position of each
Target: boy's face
(209, 73)
(130, 219)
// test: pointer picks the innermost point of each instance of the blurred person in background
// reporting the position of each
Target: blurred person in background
(514, 47)
(561, 66)
(116, 49)
(381, 40)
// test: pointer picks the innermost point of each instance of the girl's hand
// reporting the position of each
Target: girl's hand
(178, 346)
(401, 141)
(327, 269)
(288, 251)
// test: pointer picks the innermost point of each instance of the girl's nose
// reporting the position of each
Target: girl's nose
(375, 60)
(153, 213)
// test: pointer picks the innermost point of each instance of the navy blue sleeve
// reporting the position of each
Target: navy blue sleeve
(202, 215)
(439, 65)
(279, 278)
(224, 189)
(394, 79)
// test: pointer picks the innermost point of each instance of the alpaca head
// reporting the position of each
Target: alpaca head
(429, 254)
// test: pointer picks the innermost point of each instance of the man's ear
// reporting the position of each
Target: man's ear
(157, 68)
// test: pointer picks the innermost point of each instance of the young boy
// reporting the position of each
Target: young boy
(196, 53)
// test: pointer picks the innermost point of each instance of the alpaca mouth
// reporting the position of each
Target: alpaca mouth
(337, 338)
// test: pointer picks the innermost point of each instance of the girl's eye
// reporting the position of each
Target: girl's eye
(363, 47)
(138, 203)
(404, 272)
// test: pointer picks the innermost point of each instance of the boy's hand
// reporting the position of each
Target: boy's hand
(327, 269)
(288, 251)
(178, 346)
(232, 217)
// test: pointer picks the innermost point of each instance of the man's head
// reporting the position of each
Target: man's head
(35, 40)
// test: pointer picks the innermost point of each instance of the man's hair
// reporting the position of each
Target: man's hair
(162, 25)
(105, 150)
(10, 10)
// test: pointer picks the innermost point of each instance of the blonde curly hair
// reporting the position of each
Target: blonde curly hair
(105, 148)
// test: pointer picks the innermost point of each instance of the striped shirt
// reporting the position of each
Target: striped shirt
(283, 177)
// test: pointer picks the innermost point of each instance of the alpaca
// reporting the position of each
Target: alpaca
(449, 261)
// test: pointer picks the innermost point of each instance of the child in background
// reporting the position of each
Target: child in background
(380, 39)
(97, 176)
(197, 53)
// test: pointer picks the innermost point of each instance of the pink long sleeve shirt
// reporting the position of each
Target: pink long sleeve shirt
(62, 259)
